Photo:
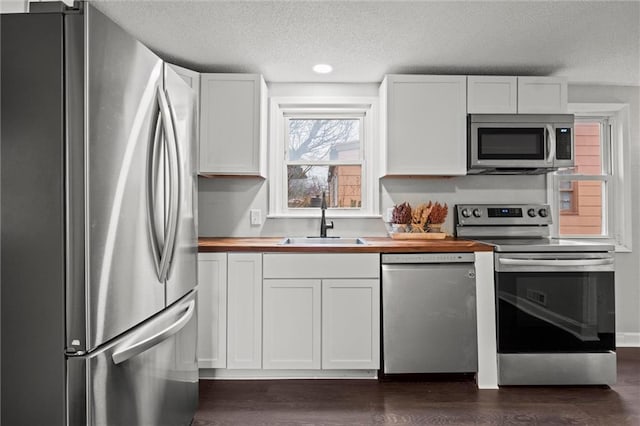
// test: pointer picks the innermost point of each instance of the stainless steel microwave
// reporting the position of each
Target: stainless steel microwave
(519, 143)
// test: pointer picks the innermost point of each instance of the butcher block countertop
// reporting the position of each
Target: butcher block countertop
(375, 245)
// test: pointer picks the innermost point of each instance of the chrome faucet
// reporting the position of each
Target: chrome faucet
(323, 222)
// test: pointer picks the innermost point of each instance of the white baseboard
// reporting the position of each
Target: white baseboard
(628, 340)
(223, 373)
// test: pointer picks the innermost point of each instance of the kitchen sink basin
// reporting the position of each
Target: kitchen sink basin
(321, 241)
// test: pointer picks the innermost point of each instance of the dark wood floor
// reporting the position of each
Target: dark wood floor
(368, 402)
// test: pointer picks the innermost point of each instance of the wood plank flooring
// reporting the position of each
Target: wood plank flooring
(369, 402)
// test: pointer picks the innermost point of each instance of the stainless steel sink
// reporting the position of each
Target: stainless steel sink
(322, 241)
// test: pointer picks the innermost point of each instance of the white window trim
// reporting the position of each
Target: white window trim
(618, 204)
(279, 107)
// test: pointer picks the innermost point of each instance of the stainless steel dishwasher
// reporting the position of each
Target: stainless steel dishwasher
(429, 313)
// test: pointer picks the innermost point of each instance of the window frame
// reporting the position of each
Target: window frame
(616, 214)
(283, 109)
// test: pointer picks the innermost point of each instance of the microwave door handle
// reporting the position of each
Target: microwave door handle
(551, 144)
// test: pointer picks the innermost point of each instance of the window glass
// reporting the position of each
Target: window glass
(324, 155)
(341, 185)
(323, 140)
(582, 190)
(582, 208)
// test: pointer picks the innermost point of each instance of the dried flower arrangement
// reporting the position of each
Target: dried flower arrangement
(438, 213)
(401, 214)
(423, 218)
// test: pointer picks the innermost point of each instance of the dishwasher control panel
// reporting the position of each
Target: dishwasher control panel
(428, 258)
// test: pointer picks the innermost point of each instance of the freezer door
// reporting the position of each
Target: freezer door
(147, 377)
(122, 79)
(182, 273)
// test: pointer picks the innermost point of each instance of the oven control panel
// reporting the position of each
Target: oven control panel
(503, 214)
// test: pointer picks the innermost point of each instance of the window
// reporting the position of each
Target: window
(322, 147)
(591, 200)
(584, 190)
(323, 155)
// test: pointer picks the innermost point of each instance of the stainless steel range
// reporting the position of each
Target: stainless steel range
(555, 306)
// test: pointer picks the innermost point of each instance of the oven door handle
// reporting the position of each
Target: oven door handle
(556, 262)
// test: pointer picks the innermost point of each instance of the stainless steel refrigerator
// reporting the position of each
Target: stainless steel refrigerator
(99, 242)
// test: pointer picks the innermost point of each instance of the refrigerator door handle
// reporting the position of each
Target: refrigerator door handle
(174, 185)
(137, 348)
(154, 159)
(176, 180)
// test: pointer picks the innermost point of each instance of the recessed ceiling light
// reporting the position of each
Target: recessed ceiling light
(323, 68)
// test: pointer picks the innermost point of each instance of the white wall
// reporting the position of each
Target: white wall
(225, 202)
(627, 264)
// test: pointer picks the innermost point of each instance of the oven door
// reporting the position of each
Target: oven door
(555, 302)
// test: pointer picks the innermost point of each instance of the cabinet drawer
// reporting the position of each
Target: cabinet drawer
(325, 265)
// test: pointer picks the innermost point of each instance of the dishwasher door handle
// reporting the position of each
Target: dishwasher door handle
(423, 266)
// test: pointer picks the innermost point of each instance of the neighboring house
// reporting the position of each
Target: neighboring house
(344, 181)
(581, 201)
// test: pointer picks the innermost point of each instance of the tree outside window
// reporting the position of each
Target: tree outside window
(324, 155)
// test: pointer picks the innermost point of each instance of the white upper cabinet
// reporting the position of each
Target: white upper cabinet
(542, 95)
(488, 94)
(233, 124)
(192, 78)
(423, 126)
(492, 94)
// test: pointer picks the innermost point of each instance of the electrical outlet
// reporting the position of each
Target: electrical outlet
(255, 216)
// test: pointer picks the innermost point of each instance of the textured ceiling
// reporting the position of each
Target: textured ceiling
(586, 41)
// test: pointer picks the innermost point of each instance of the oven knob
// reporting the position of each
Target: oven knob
(466, 213)
(531, 212)
(477, 212)
(543, 212)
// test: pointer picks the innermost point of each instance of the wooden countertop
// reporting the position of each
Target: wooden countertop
(375, 245)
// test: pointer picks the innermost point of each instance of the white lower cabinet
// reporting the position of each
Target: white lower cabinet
(244, 311)
(321, 311)
(212, 310)
(284, 311)
(291, 324)
(351, 324)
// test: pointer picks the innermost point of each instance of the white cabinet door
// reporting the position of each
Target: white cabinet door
(233, 124)
(424, 125)
(351, 324)
(489, 94)
(292, 324)
(192, 78)
(244, 310)
(212, 310)
(542, 95)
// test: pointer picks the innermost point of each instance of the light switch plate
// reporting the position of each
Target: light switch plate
(255, 216)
